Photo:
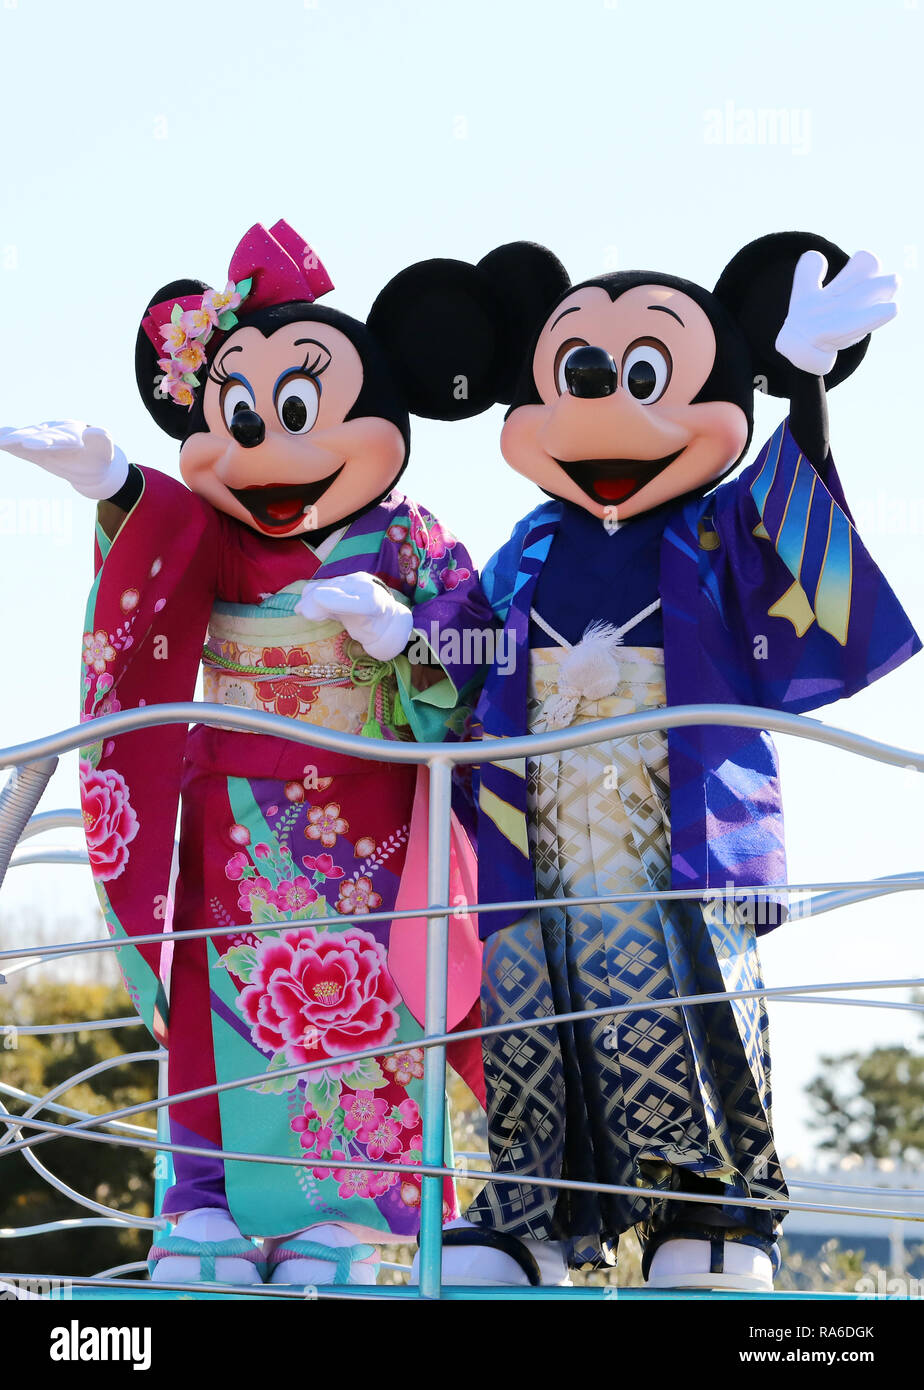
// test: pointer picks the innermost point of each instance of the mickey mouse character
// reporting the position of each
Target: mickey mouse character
(300, 580)
(640, 585)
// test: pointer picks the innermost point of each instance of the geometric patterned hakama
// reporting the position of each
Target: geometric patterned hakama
(666, 1098)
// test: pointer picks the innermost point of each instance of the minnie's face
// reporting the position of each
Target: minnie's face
(617, 432)
(278, 452)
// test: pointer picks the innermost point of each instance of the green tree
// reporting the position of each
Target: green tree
(115, 1175)
(872, 1103)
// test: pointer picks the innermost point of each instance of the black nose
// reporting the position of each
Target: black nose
(248, 428)
(590, 371)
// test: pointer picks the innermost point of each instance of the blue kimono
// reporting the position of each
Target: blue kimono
(768, 597)
(771, 555)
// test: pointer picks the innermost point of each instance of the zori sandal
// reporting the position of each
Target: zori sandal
(300, 1261)
(178, 1260)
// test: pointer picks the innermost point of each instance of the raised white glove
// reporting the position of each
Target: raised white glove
(822, 319)
(82, 454)
(368, 610)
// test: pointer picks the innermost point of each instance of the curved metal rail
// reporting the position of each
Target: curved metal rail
(33, 764)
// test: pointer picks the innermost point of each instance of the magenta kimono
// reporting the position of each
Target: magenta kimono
(275, 835)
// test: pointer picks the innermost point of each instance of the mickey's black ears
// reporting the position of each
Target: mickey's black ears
(172, 418)
(528, 281)
(755, 287)
(456, 334)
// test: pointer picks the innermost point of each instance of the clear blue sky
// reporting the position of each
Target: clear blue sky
(137, 143)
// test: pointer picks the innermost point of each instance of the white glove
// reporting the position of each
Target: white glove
(368, 610)
(823, 319)
(82, 454)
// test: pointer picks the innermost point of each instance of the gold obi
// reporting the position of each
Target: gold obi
(639, 685)
(266, 658)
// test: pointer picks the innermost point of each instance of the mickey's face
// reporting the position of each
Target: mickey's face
(278, 452)
(617, 432)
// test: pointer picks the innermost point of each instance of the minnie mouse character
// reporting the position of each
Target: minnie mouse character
(299, 579)
(640, 585)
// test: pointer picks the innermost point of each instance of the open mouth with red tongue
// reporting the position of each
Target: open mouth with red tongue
(279, 509)
(610, 481)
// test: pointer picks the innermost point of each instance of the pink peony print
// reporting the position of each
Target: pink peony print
(312, 993)
(109, 820)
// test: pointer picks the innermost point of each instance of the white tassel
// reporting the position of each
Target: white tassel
(559, 709)
(590, 671)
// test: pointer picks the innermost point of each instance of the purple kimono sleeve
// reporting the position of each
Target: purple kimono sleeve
(814, 616)
(453, 627)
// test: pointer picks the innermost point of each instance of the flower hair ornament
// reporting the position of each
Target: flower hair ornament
(268, 268)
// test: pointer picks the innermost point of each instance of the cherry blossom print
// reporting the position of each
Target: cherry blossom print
(357, 896)
(408, 562)
(405, 1067)
(325, 823)
(322, 864)
(98, 650)
(287, 695)
(295, 894)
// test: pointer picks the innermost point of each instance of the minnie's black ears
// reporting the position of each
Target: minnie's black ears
(456, 334)
(755, 287)
(172, 418)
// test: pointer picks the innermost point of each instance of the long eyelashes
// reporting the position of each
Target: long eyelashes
(316, 362)
(217, 371)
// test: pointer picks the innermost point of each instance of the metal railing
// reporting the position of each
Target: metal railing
(33, 764)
